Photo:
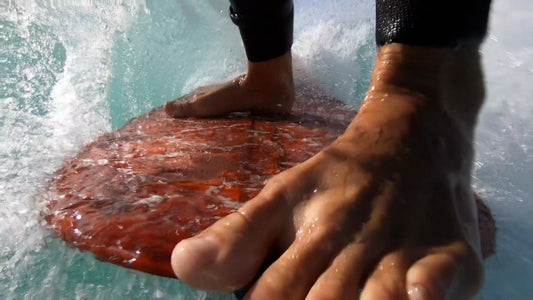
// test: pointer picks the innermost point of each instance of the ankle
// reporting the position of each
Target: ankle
(449, 78)
(416, 69)
(465, 86)
(270, 75)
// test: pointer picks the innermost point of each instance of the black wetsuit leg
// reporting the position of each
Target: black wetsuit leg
(448, 23)
(265, 25)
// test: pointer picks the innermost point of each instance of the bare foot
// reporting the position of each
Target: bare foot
(385, 212)
(268, 87)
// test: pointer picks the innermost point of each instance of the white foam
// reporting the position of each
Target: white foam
(34, 144)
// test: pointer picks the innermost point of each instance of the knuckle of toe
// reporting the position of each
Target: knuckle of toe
(276, 192)
(186, 106)
(271, 291)
(386, 289)
(323, 294)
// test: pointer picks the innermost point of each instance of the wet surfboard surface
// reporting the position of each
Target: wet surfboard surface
(131, 195)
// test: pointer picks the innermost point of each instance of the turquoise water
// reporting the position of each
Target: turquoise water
(73, 70)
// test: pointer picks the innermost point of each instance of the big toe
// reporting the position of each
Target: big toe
(225, 257)
(210, 101)
(180, 108)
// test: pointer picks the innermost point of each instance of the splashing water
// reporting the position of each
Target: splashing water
(70, 72)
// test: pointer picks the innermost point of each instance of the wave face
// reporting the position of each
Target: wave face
(70, 72)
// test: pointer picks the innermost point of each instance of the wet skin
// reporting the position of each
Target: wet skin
(385, 212)
(267, 87)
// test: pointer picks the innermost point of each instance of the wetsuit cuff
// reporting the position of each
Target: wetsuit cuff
(265, 36)
(441, 23)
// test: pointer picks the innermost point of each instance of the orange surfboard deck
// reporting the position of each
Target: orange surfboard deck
(132, 194)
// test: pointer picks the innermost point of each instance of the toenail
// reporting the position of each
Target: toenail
(417, 292)
(204, 249)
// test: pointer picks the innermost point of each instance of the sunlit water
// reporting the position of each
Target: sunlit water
(70, 72)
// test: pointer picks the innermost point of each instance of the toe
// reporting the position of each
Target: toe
(452, 272)
(203, 102)
(229, 254)
(387, 281)
(209, 101)
(225, 257)
(294, 272)
(180, 107)
(342, 278)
